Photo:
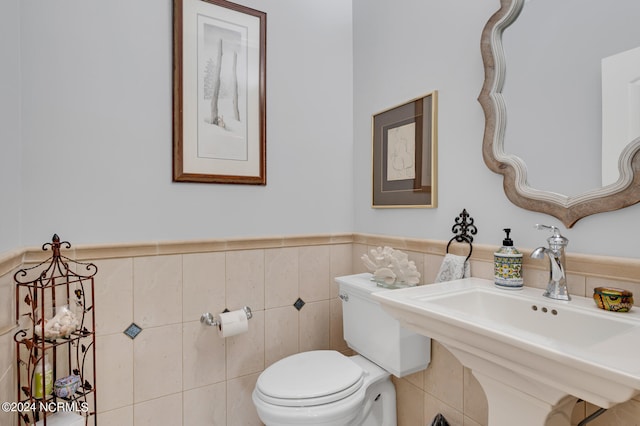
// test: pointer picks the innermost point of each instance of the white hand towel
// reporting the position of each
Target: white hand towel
(453, 268)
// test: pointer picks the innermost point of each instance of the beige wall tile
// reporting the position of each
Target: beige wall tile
(431, 267)
(240, 408)
(204, 285)
(254, 243)
(114, 359)
(7, 347)
(191, 246)
(206, 406)
(7, 319)
(579, 412)
(161, 411)
(341, 264)
(157, 290)
(108, 251)
(315, 239)
(416, 379)
(433, 406)
(10, 262)
(537, 278)
(482, 270)
(457, 248)
(357, 251)
(281, 277)
(444, 377)
(281, 333)
(113, 289)
(245, 279)
(315, 275)
(470, 422)
(119, 417)
(576, 284)
(475, 401)
(314, 326)
(6, 417)
(203, 355)
(157, 362)
(7, 301)
(7, 377)
(245, 352)
(409, 403)
(336, 330)
(418, 259)
(626, 414)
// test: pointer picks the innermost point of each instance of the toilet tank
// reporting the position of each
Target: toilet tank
(375, 334)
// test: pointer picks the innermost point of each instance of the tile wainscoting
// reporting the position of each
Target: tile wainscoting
(177, 371)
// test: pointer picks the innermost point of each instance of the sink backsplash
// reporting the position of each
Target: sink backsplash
(584, 272)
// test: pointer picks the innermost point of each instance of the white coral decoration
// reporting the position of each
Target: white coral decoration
(391, 266)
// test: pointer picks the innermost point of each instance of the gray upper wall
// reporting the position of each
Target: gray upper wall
(85, 126)
(403, 49)
(95, 84)
(10, 170)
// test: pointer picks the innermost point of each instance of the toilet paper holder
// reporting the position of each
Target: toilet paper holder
(208, 319)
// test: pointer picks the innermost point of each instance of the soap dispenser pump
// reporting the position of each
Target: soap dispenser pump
(508, 265)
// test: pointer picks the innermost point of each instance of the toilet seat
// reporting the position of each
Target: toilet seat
(310, 379)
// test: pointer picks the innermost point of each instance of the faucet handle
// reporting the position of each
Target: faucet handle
(556, 240)
(554, 229)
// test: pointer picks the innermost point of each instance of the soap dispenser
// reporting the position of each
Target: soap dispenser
(508, 265)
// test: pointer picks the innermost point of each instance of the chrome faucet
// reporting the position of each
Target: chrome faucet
(557, 287)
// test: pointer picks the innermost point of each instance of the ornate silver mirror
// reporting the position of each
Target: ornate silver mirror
(563, 55)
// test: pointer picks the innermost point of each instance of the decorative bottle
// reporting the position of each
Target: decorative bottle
(43, 379)
(508, 265)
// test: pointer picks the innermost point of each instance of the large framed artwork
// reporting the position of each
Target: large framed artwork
(405, 154)
(219, 93)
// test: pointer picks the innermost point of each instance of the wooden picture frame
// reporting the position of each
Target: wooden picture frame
(405, 154)
(219, 93)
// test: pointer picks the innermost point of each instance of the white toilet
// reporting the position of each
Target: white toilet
(328, 388)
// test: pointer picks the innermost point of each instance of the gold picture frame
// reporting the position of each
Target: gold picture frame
(404, 152)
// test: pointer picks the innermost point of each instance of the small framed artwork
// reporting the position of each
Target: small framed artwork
(405, 154)
(219, 105)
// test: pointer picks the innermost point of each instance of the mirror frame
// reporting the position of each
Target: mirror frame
(568, 209)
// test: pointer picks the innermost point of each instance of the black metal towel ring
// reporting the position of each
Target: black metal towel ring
(464, 230)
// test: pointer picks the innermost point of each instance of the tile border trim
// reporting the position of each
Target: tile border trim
(600, 266)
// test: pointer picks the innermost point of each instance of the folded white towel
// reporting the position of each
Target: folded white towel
(453, 267)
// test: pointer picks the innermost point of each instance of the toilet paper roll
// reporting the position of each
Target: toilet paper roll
(232, 323)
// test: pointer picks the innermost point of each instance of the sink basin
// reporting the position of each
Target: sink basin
(533, 356)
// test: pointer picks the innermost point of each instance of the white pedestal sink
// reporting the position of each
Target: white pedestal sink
(533, 356)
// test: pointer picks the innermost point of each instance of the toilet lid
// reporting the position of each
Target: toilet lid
(310, 378)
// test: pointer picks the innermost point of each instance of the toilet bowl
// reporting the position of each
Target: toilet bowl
(324, 388)
(327, 388)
